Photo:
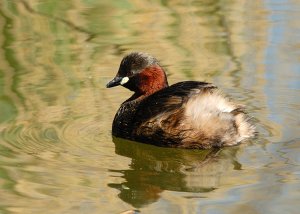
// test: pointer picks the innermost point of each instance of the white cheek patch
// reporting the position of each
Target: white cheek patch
(124, 80)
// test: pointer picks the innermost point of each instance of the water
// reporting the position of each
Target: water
(56, 150)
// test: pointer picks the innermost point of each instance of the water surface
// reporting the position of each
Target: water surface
(57, 154)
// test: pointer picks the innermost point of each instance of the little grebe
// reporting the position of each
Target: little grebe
(187, 114)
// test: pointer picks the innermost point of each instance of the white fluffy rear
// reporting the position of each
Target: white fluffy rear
(211, 114)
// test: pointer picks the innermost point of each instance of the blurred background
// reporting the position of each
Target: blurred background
(57, 154)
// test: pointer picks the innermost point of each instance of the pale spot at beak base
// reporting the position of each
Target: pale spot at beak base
(124, 80)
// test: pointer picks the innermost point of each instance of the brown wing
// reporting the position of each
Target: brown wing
(158, 117)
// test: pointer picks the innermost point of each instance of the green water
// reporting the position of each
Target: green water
(57, 154)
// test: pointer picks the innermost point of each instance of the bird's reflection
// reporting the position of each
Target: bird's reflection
(155, 169)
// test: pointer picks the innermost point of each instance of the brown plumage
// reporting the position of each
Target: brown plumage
(187, 114)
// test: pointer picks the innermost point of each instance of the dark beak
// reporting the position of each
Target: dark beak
(115, 82)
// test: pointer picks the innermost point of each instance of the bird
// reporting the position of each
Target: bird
(188, 114)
